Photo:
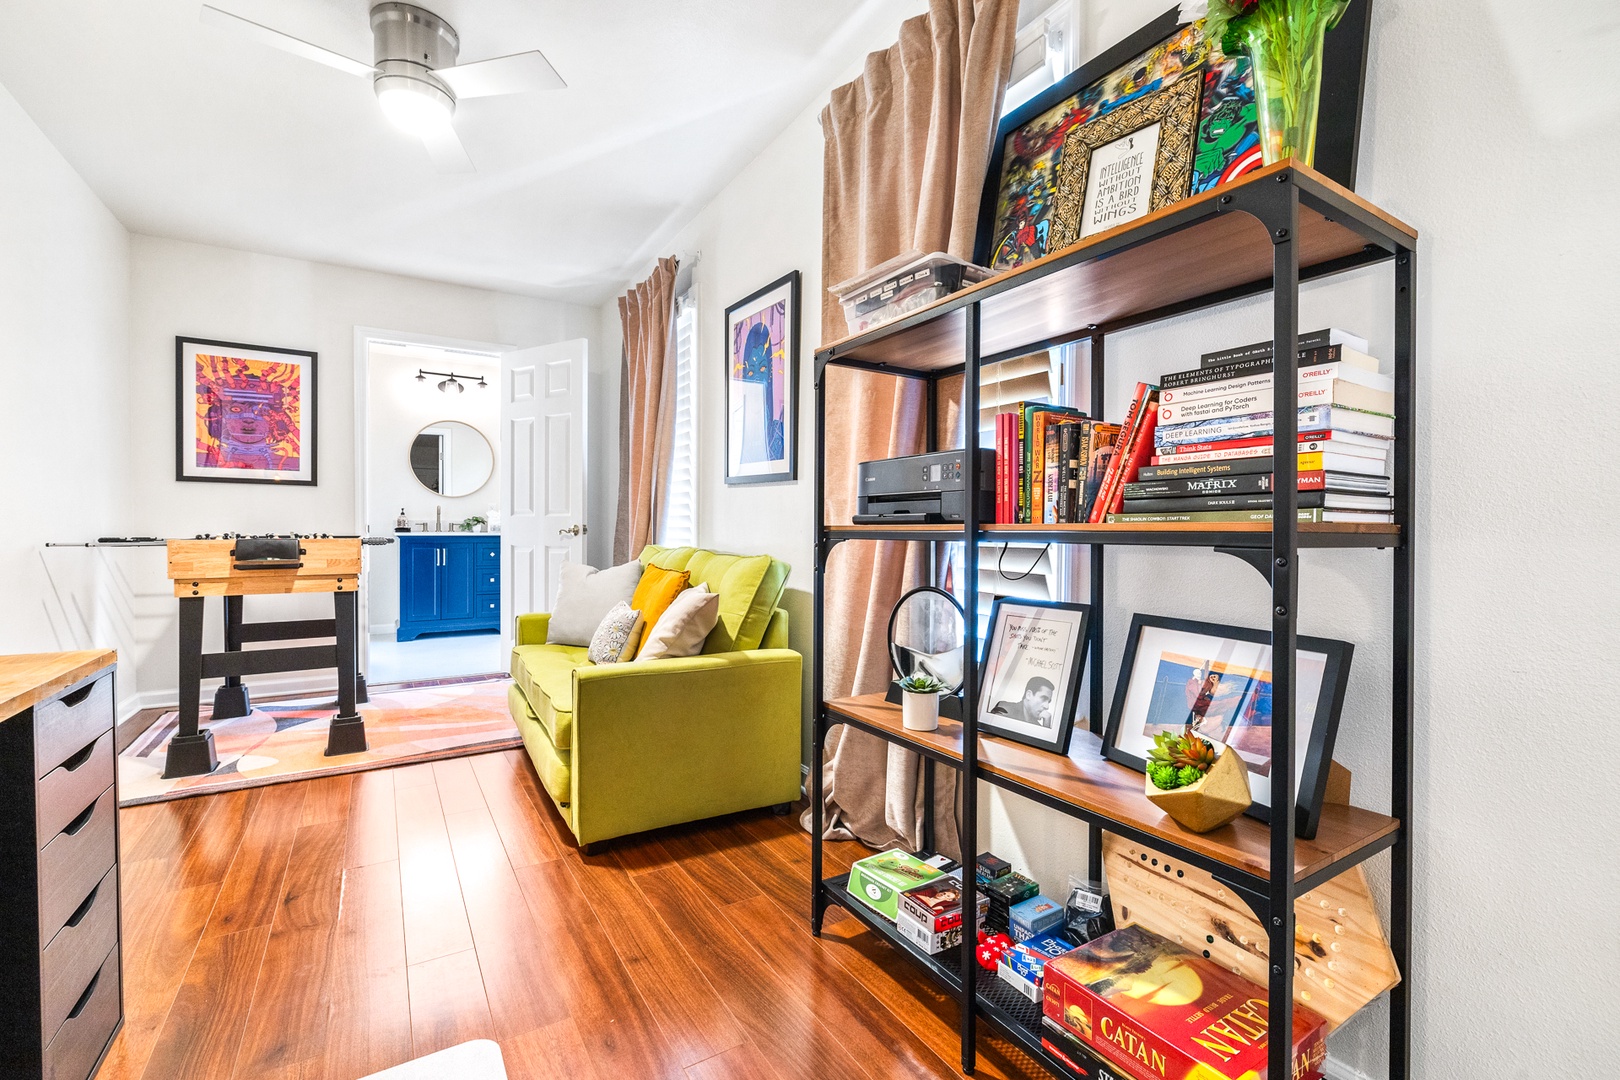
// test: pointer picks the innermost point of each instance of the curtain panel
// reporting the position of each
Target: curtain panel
(647, 412)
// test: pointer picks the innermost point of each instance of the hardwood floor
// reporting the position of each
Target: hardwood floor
(327, 929)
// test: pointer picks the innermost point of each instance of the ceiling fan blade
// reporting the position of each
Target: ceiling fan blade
(286, 42)
(444, 147)
(515, 74)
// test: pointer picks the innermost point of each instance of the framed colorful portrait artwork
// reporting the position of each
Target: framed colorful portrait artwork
(1217, 680)
(762, 384)
(1029, 679)
(244, 414)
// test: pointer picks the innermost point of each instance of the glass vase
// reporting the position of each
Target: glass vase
(1284, 41)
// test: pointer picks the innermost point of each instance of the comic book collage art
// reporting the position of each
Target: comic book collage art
(1227, 142)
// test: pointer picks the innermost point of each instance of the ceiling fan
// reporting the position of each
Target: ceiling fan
(415, 74)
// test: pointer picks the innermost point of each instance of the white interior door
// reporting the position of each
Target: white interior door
(543, 482)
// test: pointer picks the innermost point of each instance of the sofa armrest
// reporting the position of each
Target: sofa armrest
(661, 741)
(531, 628)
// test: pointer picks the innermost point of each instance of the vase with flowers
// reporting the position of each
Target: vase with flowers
(1284, 41)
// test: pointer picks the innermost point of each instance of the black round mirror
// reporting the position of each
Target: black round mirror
(926, 633)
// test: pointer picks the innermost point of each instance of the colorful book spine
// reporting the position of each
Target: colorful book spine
(1246, 402)
(1331, 418)
(1053, 461)
(1021, 511)
(1238, 467)
(1139, 407)
(1245, 383)
(1251, 484)
(1194, 504)
(1135, 453)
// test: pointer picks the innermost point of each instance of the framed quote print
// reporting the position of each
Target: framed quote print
(244, 414)
(1034, 655)
(762, 384)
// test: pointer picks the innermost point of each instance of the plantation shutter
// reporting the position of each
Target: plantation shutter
(678, 527)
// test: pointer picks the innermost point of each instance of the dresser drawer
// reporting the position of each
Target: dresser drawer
(68, 724)
(488, 580)
(74, 860)
(72, 786)
(75, 954)
(91, 1019)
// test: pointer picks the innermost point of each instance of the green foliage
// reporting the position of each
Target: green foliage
(471, 523)
(1188, 775)
(1164, 777)
(919, 683)
(1183, 751)
(1229, 20)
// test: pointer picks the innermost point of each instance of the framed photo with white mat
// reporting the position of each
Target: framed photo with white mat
(1029, 679)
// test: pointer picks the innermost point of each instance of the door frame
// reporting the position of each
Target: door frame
(363, 338)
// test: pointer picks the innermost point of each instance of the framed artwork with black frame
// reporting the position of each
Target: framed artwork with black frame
(1217, 678)
(1020, 187)
(244, 414)
(1029, 679)
(762, 384)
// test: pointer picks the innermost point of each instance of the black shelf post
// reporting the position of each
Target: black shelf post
(1094, 407)
(1401, 705)
(970, 696)
(818, 715)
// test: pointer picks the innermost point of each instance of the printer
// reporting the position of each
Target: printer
(924, 489)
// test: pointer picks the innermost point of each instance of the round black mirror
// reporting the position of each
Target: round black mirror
(927, 630)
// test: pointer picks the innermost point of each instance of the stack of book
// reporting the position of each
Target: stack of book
(1213, 449)
(1049, 463)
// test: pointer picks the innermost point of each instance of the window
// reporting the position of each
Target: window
(678, 527)
(1044, 51)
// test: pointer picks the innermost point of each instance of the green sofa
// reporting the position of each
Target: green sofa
(622, 748)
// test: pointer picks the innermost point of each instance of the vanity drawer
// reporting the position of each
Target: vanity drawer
(74, 860)
(67, 724)
(75, 953)
(73, 785)
(84, 1035)
(488, 580)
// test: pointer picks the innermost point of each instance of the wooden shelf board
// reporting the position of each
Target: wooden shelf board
(29, 678)
(1090, 782)
(1067, 291)
(1235, 534)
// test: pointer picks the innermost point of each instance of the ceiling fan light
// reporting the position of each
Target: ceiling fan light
(415, 107)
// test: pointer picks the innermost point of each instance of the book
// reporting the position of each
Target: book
(1037, 418)
(1156, 1010)
(1004, 457)
(1244, 402)
(1307, 516)
(1312, 339)
(1177, 469)
(1253, 483)
(1332, 418)
(1143, 416)
(1255, 501)
(1308, 460)
(1053, 463)
(1208, 385)
(1347, 442)
(1067, 460)
(1099, 453)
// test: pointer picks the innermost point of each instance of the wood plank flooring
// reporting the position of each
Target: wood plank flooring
(327, 929)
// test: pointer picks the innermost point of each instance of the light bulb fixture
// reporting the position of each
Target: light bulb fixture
(414, 106)
(450, 381)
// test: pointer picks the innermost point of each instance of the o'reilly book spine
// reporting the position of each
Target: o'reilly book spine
(1313, 418)
(1314, 392)
(1314, 339)
(1310, 372)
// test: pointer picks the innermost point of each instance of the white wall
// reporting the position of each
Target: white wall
(398, 407)
(1478, 134)
(64, 334)
(179, 288)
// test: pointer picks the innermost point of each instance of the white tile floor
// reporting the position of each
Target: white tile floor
(437, 656)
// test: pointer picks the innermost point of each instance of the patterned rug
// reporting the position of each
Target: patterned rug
(286, 740)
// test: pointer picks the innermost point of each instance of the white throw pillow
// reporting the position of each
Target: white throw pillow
(682, 628)
(584, 597)
(618, 635)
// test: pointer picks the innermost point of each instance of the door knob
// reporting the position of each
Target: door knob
(572, 530)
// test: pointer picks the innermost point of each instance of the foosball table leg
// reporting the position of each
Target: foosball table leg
(347, 733)
(232, 700)
(191, 751)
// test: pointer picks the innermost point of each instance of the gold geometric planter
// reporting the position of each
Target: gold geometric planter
(1219, 797)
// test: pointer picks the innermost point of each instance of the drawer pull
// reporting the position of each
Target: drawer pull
(84, 998)
(73, 763)
(77, 697)
(83, 909)
(81, 821)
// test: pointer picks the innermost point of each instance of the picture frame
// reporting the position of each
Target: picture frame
(1020, 183)
(1029, 676)
(245, 414)
(1127, 164)
(762, 384)
(1220, 677)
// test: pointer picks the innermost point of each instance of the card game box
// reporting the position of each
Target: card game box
(1157, 1011)
(938, 904)
(1034, 916)
(878, 880)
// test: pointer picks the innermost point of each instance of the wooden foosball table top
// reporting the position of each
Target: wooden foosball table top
(208, 568)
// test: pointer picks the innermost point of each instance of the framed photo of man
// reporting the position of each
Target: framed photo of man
(1030, 678)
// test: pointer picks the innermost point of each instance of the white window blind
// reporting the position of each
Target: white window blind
(678, 528)
(1044, 51)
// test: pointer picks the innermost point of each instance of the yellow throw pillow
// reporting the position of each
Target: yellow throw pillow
(658, 589)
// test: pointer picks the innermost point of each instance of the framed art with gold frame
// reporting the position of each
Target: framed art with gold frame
(1129, 163)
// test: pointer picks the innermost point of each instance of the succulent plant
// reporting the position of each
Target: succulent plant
(1164, 776)
(1179, 760)
(919, 683)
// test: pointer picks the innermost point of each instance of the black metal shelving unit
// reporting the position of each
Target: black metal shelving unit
(1266, 232)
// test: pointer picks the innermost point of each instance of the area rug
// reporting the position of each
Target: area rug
(479, 1060)
(286, 740)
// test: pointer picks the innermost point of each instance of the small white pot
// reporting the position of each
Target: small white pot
(919, 712)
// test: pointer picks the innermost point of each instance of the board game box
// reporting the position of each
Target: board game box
(938, 904)
(1161, 1012)
(878, 880)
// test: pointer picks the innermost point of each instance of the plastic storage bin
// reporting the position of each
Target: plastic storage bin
(902, 285)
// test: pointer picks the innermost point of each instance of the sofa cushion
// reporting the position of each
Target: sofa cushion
(545, 674)
(684, 626)
(555, 767)
(658, 589)
(749, 587)
(584, 597)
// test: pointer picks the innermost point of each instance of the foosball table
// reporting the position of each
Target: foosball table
(232, 567)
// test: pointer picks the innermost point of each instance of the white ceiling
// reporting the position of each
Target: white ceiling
(192, 131)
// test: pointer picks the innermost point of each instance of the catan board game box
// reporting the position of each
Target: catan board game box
(1160, 1012)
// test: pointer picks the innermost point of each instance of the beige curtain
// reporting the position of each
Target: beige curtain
(907, 147)
(647, 408)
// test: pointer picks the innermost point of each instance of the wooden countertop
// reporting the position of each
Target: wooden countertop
(29, 678)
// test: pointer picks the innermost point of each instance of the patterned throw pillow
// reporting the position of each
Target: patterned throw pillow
(617, 637)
